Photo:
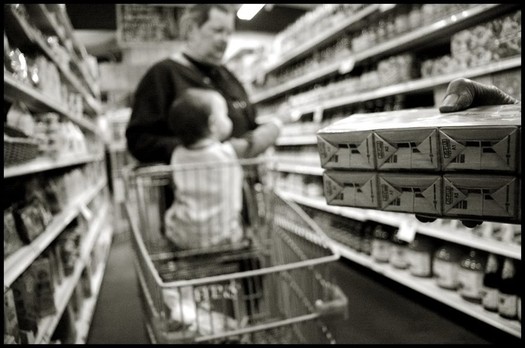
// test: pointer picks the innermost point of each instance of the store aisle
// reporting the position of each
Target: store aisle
(118, 318)
(381, 311)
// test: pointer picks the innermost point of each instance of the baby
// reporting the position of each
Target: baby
(207, 175)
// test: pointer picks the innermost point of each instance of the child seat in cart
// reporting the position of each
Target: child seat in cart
(273, 285)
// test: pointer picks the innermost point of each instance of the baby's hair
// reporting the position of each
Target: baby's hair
(189, 115)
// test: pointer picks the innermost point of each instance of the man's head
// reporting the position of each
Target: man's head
(198, 114)
(207, 29)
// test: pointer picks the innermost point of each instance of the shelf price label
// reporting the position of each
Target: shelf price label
(407, 230)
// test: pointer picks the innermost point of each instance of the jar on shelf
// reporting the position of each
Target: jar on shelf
(446, 265)
(491, 283)
(470, 275)
(421, 250)
(398, 254)
(381, 243)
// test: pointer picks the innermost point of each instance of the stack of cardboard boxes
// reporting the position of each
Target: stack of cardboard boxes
(463, 165)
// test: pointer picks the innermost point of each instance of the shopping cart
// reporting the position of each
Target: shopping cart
(273, 285)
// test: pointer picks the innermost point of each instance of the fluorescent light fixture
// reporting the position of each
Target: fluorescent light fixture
(248, 11)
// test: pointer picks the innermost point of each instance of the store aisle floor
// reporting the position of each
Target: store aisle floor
(118, 318)
(381, 311)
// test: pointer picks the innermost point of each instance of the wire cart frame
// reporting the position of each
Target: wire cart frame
(274, 286)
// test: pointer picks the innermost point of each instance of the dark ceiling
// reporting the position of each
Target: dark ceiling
(271, 19)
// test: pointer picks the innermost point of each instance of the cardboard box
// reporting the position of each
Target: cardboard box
(494, 148)
(480, 196)
(346, 150)
(348, 188)
(410, 193)
(409, 149)
(481, 139)
(349, 143)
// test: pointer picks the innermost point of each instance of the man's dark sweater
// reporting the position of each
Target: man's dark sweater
(148, 136)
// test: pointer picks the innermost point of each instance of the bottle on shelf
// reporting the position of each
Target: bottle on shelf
(470, 275)
(508, 290)
(491, 283)
(367, 235)
(381, 243)
(446, 265)
(420, 254)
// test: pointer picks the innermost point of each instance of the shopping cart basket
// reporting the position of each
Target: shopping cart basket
(272, 287)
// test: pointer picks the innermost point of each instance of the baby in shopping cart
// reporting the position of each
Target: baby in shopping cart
(207, 174)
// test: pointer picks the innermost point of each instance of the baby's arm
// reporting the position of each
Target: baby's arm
(258, 140)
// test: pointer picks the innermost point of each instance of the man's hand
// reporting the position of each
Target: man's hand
(464, 93)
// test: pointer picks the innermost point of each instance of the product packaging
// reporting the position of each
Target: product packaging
(410, 193)
(490, 196)
(346, 150)
(25, 302)
(355, 189)
(477, 139)
(10, 317)
(410, 149)
(44, 286)
(12, 241)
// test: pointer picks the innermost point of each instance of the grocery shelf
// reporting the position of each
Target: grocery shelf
(42, 164)
(307, 139)
(16, 263)
(320, 204)
(18, 91)
(92, 104)
(297, 168)
(47, 325)
(322, 38)
(457, 235)
(88, 307)
(45, 20)
(412, 86)
(428, 287)
(404, 42)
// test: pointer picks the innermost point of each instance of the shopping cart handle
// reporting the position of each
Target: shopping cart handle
(337, 305)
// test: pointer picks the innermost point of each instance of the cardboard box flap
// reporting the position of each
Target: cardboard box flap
(425, 146)
(364, 148)
(504, 150)
(452, 195)
(331, 188)
(326, 150)
(367, 188)
(503, 195)
(388, 192)
(450, 148)
(384, 150)
(431, 194)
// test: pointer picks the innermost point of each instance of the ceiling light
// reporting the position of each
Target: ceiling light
(248, 11)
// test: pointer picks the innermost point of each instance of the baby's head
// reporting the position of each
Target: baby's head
(199, 113)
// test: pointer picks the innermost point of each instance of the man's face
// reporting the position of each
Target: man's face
(208, 42)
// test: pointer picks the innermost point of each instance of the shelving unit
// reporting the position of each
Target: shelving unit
(63, 293)
(428, 287)
(427, 37)
(51, 19)
(88, 309)
(402, 43)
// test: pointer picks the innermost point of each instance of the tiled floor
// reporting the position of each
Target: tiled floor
(381, 311)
